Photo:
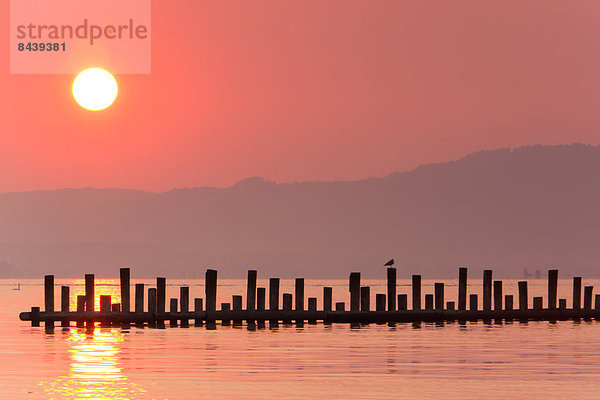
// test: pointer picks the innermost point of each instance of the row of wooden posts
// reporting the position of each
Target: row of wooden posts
(390, 307)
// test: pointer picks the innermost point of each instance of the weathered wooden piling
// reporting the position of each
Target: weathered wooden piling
(523, 303)
(274, 294)
(552, 288)
(416, 292)
(49, 297)
(81, 300)
(380, 302)
(538, 303)
(115, 307)
(354, 289)
(105, 306)
(237, 306)
(587, 297)
(508, 302)
(125, 275)
(161, 294)
(225, 307)
(287, 306)
(312, 307)
(365, 298)
(497, 295)
(261, 295)
(139, 301)
(198, 309)
(487, 290)
(64, 303)
(251, 290)
(462, 288)
(576, 292)
(184, 304)
(152, 307)
(35, 316)
(597, 302)
(89, 292)
(562, 304)
(327, 298)
(340, 306)
(450, 305)
(429, 301)
(173, 310)
(391, 288)
(299, 294)
(473, 302)
(402, 302)
(210, 289)
(439, 295)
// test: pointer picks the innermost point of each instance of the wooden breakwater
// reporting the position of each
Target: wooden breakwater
(149, 307)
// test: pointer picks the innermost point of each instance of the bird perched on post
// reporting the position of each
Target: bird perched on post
(389, 263)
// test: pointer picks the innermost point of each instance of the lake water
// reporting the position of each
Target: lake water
(527, 361)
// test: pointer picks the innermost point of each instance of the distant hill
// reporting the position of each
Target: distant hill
(531, 207)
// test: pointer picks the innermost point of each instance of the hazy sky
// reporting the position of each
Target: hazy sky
(312, 90)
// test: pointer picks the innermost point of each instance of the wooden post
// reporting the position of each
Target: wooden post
(473, 302)
(576, 293)
(139, 297)
(562, 304)
(587, 297)
(538, 303)
(416, 292)
(462, 288)
(64, 304)
(312, 306)
(273, 299)
(125, 289)
(498, 295)
(49, 297)
(523, 306)
(161, 294)
(237, 306)
(115, 307)
(487, 290)
(439, 295)
(299, 294)
(184, 303)
(89, 292)
(105, 307)
(391, 288)
(211, 290)
(152, 306)
(402, 302)
(354, 288)
(552, 288)
(173, 310)
(251, 291)
(429, 301)
(380, 302)
(597, 302)
(261, 294)
(340, 306)
(225, 307)
(508, 302)
(365, 298)
(81, 299)
(450, 305)
(35, 316)
(287, 305)
(327, 298)
(198, 309)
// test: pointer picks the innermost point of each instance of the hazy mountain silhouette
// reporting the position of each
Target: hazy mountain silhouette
(532, 207)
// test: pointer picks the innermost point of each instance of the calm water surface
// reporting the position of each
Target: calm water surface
(534, 360)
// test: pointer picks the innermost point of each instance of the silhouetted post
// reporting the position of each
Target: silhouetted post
(105, 307)
(450, 305)
(587, 297)
(538, 303)
(274, 294)
(312, 306)
(211, 290)
(354, 289)
(287, 305)
(184, 303)
(327, 298)
(81, 299)
(473, 302)
(552, 288)
(429, 301)
(487, 290)
(139, 301)
(508, 302)
(152, 306)
(251, 291)
(225, 307)
(237, 306)
(380, 302)
(125, 290)
(64, 303)
(35, 316)
(462, 288)
(173, 310)
(161, 294)
(89, 292)
(597, 302)
(198, 309)
(416, 292)
(402, 302)
(49, 297)
(439, 295)
(576, 293)
(523, 306)
(498, 295)
(340, 306)
(391, 288)
(115, 307)
(365, 298)
(261, 295)
(299, 294)
(562, 304)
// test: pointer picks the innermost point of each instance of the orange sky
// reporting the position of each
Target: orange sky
(312, 90)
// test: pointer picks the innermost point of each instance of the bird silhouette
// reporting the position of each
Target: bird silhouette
(389, 263)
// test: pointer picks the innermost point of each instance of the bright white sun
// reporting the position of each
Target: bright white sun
(95, 89)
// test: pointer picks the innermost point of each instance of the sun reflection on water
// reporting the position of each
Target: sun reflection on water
(95, 371)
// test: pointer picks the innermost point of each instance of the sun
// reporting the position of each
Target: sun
(95, 89)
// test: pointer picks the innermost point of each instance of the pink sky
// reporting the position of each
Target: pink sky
(312, 90)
